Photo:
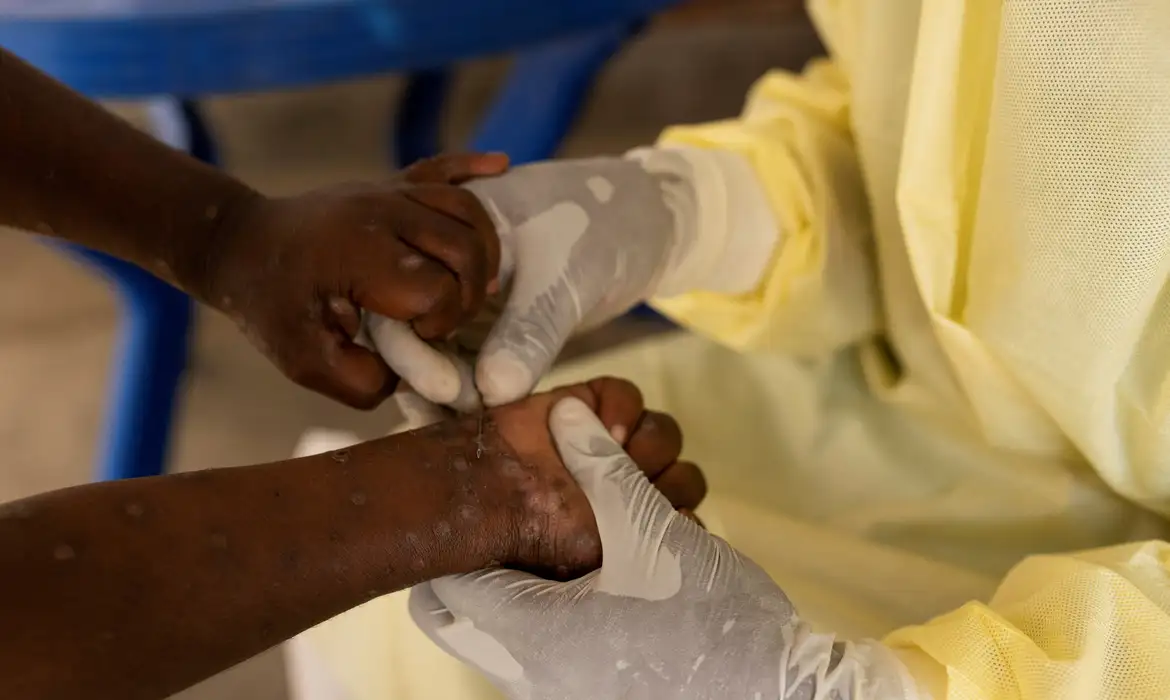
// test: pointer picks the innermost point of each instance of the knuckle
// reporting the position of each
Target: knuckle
(624, 386)
(468, 257)
(303, 372)
(661, 428)
(364, 401)
(693, 475)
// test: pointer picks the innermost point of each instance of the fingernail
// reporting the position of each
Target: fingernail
(340, 306)
(619, 434)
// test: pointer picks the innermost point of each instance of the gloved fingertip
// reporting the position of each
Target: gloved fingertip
(441, 385)
(503, 378)
(572, 412)
(430, 372)
(468, 399)
(576, 429)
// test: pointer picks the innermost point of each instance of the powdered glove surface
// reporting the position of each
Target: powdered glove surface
(588, 239)
(583, 241)
(673, 613)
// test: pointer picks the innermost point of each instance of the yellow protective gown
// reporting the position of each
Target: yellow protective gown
(957, 366)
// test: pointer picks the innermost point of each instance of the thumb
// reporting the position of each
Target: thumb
(632, 516)
(347, 372)
(543, 306)
(436, 376)
(539, 316)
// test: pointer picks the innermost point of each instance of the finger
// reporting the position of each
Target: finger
(468, 399)
(460, 249)
(428, 371)
(655, 444)
(690, 515)
(455, 202)
(538, 317)
(445, 316)
(683, 484)
(344, 371)
(619, 406)
(505, 236)
(454, 168)
(407, 285)
(346, 316)
(467, 209)
(632, 517)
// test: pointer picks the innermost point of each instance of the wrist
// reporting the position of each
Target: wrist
(725, 230)
(500, 508)
(198, 259)
(866, 665)
(471, 488)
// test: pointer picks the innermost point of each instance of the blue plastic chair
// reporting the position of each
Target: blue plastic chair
(173, 51)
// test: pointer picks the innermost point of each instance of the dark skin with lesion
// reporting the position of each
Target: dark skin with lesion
(139, 588)
(292, 272)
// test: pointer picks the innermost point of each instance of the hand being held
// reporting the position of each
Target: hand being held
(557, 532)
(582, 242)
(673, 612)
(295, 273)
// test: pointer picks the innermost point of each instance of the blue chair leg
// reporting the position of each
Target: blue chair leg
(147, 372)
(153, 339)
(544, 93)
(420, 117)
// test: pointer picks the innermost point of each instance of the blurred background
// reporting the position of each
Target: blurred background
(58, 320)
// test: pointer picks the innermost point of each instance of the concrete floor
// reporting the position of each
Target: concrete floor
(57, 321)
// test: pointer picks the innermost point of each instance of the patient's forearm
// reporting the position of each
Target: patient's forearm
(138, 588)
(74, 171)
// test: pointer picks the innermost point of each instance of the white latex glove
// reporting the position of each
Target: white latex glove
(582, 242)
(674, 612)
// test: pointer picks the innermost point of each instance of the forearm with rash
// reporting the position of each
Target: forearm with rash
(139, 588)
(73, 170)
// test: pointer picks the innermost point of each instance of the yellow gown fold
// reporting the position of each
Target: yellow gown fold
(957, 366)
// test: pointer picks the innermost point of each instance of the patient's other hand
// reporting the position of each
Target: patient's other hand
(556, 534)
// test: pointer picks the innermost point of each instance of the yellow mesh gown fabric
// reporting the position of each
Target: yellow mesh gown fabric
(957, 367)
(1019, 193)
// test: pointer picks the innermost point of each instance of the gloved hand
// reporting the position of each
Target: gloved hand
(583, 241)
(673, 612)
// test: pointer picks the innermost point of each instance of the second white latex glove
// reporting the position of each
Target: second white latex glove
(674, 612)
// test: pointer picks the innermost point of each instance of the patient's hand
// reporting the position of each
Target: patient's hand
(551, 530)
